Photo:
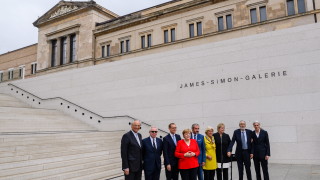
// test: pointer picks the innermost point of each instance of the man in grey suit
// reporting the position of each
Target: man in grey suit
(131, 152)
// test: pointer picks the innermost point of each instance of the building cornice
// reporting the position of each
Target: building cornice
(137, 18)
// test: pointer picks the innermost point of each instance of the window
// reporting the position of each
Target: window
(149, 40)
(143, 42)
(191, 30)
(127, 45)
(258, 14)
(220, 23)
(103, 51)
(199, 28)
(173, 35)
(229, 21)
(166, 36)
(10, 74)
(54, 53)
(72, 48)
(108, 50)
(301, 6)
(290, 7)
(253, 15)
(33, 68)
(63, 58)
(263, 13)
(1, 76)
(122, 47)
(20, 72)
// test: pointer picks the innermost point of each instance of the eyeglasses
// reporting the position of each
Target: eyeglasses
(154, 131)
(256, 125)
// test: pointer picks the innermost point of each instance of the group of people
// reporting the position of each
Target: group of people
(194, 155)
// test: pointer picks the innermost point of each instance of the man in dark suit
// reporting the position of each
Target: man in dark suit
(169, 147)
(260, 150)
(152, 150)
(131, 152)
(243, 138)
(200, 140)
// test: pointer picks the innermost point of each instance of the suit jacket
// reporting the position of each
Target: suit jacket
(202, 148)
(222, 144)
(187, 162)
(151, 156)
(131, 152)
(168, 150)
(237, 138)
(261, 145)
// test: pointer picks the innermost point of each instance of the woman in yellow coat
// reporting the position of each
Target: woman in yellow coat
(211, 160)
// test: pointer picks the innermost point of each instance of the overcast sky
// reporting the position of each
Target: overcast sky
(17, 16)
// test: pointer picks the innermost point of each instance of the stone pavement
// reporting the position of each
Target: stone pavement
(280, 172)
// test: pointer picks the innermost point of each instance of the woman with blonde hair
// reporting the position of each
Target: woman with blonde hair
(222, 143)
(187, 151)
(211, 160)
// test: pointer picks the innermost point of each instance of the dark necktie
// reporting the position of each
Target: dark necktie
(154, 144)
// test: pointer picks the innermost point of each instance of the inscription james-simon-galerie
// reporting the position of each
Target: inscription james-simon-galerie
(248, 77)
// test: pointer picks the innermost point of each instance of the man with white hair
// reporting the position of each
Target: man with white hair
(243, 138)
(260, 150)
(131, 152)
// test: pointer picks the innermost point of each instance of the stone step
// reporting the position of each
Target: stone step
(64, 141)
(60, 135)
(102, 175)
(20, 164)
(30, 117)
(5, 97)
(13, 104)
(41, 167)
(44, 129)
(69, 171)
(47, 149)
(65, 152)
(28, 110)
(86, 172)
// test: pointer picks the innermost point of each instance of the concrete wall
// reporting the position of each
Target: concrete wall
(282, 90)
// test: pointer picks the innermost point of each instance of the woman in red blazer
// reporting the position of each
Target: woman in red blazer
(187, 151)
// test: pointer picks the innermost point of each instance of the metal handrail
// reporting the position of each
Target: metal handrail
(102, 117)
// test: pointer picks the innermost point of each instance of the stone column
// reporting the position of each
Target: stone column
(68, 49)
(58, 55)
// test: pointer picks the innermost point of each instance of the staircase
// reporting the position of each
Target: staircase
(41, 144)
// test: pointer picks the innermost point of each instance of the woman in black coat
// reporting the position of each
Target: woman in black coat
(222, 143)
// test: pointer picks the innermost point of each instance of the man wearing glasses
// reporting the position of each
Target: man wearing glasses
(152, 150)
(169, 147)
(131, 152)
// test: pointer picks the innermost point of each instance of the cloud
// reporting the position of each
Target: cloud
(16, 18)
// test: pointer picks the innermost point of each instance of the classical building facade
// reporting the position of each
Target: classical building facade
(77, 34)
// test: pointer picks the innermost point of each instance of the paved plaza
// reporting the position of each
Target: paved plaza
(281, 172)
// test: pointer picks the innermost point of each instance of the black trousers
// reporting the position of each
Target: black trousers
(133, 175)
(209, 174)
(264, 165)
(173, 174)
(189, 174)
(225, 174)
(152, 175)
(244, 158)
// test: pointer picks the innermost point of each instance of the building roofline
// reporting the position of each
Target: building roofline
(129, 14)
(18, 49)
(86, 4)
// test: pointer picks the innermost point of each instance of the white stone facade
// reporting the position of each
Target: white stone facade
(283, 92)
